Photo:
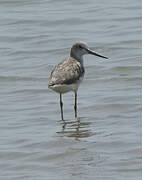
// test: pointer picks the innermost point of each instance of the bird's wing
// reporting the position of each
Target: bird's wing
(66, 72)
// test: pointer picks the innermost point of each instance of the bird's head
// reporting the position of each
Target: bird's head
(80, 48)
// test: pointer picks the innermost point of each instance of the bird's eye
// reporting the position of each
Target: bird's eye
(80, 47)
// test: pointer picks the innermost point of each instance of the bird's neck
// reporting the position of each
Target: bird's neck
(77, 57)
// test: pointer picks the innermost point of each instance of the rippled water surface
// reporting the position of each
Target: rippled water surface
(106, 142)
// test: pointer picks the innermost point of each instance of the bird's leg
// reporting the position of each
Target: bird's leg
(75, 104)
(61, 106)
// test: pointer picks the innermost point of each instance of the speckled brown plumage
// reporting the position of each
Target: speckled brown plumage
(66, 72)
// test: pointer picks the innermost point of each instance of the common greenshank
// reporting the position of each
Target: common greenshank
(68, 74)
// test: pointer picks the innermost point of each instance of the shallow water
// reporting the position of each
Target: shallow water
(106, 143)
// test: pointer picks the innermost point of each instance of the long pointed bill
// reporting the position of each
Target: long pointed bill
(93, 53)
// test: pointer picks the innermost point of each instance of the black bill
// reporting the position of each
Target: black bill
(93, 53)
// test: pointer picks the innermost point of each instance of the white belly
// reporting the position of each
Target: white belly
(64, 88)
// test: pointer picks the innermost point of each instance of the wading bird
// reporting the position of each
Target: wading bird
(68, 74)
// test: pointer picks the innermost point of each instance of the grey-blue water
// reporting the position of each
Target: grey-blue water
(34, 143)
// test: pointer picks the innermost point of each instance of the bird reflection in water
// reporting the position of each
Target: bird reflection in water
(76, 129)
